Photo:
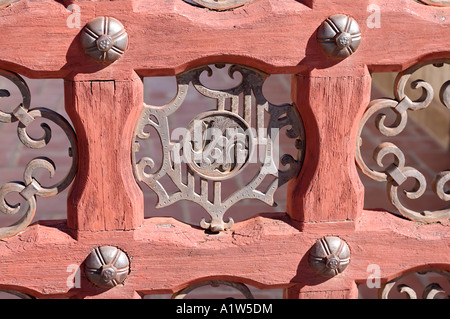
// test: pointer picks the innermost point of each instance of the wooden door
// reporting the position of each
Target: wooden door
(323, 246)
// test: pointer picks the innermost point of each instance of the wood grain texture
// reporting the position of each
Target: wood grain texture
(266, 252)
(105, 205)
(105, 195)
(333, 191)
(168, 37)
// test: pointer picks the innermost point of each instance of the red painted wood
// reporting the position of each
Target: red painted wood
(105, 195)
(168, 37)
(331, 122)
(105, 205)
(266, 252)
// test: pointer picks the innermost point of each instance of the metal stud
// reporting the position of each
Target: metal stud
(329, 256)
(339, 36)
(104, 39)
(107, 266)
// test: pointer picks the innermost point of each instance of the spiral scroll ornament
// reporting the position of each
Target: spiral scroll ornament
(29, 188)
(396, 173)
(219, 144)
(219, 4)
(434, 285)
(239, 287)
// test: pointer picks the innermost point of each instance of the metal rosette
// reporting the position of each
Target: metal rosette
(329, 256)
(104, 39)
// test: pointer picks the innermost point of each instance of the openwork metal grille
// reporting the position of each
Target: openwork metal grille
(396, 173)
(426, 284)
(29, 188)
(219, 144)
(218, 4)
(239, 287)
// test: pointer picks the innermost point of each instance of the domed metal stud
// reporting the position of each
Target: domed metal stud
(329, 256)
(104, 39)
(339, 36)
(107, 266)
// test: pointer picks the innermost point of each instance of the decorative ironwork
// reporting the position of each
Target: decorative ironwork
(104, 39)
(437, 3)
(243, 289)
(339, 36)
(107, 266)
(397, 173)
(430, 290)
(219, 144)
(18, 294)
(329, 256)
(31, 188)
(6, 3)
(219, 4)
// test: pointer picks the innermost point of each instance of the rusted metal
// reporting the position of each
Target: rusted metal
(104, 39)
(397, 173)
(31, 188)
(218, 145)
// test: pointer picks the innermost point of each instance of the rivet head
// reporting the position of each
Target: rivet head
(107, 266)
(329, 256)
(104, 39)
(339, 36)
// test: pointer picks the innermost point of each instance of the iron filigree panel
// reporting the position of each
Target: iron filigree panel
(219, 144)
(396, 173)
(425, 284)
(30, 187)
(219, 4)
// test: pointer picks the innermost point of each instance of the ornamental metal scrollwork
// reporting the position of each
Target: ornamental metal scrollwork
(437, 3)
(432, 289)
(219, 144)
(397, 172)
(240, 287)
(219, 4)
(30, 187)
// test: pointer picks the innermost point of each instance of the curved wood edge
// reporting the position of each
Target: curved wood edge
(289, 29)
(267, 251)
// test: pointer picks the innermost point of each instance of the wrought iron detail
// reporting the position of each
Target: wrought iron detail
(219, 144)
(219, 4)
(6, 3)
(430, 290)
(339, 36)
(30, 187)
(396, 173)
(107, 266)
(104, 39)
(242, 288)
(18, 294)
(437, 3)
(329, 256)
